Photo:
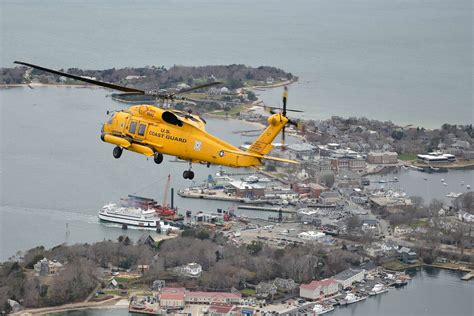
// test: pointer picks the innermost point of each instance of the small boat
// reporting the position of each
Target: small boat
(453, 195)
(378, 289)
(352, 298)
(426, 179)
(462, 182)
(442, 180)
(322, 309)
(400, 283)
(382, 181)
(468, 187)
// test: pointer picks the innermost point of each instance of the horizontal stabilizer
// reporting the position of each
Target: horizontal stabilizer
(246, 153)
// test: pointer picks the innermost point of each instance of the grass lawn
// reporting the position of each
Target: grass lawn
(248, 292)
(407, 157)
(397, 265)
(122, 280)
(233, 111)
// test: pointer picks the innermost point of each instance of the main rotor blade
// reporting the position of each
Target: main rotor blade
(91, 81)
(210, 84)
(278, 108)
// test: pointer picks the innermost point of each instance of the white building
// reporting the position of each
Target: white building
(193, 269)
(318, 289)
(311, 235)
(347, 277)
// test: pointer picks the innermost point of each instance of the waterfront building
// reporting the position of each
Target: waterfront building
(319, 289)
(246, 190)
(386, 157)
(406, 255)
(347, 277)
(436, 157)
(158, 285)
(223, 309)
(199, 297)
(172, 297)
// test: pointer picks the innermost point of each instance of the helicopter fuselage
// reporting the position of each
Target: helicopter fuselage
(147, 130)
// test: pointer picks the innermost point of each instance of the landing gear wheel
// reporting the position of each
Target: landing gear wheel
(117, 152)
(158, 158)
(188, 174)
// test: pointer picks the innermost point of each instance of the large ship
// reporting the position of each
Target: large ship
(136, 217)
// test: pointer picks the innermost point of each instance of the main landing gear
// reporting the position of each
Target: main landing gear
(117, 152)
(158, 158)
(188, 174)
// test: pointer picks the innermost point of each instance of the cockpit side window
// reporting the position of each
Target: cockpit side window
(141, 129)
(133, 127)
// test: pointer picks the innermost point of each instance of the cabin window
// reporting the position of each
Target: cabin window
(141, 129)
(133, 127)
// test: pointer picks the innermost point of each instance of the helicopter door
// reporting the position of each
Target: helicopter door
(132, 129)
(141, 130)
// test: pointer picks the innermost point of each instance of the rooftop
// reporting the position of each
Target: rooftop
(315, 284)
(346, 274)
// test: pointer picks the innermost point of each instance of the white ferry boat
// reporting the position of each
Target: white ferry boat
(321, 309)
(136, 217)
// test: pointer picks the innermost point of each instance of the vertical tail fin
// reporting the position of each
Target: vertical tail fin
(263, 144)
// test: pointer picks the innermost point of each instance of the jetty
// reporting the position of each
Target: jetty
(267, 209)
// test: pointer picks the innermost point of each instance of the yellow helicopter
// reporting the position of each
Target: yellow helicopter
(155, 131)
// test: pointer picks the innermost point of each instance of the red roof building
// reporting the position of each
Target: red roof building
(172, 297)
(318, 289)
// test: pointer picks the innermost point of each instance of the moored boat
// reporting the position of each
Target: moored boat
(322, 309)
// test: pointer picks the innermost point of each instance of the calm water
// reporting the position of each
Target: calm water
(405, 61)
(425, 295)
(426, 185)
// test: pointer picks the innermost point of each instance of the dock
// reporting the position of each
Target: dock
(207, 196)
(468, 276)
(265, 208)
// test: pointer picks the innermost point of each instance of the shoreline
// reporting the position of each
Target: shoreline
(74, 307)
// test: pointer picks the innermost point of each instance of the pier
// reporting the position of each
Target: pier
(267, 209)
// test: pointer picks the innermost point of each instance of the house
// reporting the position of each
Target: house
(347, 277)
(193, 269)
(158, 285)
(304, 151)
(172, 297)
(223, 309)
(142, 268)
(146, 239)
(47, 267)
(199, 297)
(406, 255)
(319, 289)
(265, 289)
(285, 284)
(315, 189)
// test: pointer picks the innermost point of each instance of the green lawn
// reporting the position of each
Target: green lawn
(407, 157)
(248, 292)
